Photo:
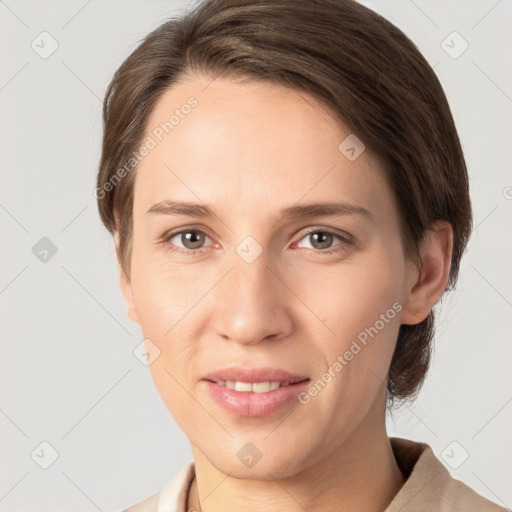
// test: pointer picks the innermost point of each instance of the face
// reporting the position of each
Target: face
(252, 279)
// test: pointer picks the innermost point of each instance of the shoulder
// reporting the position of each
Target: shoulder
(430, 486)
(172, 498)
(461, 497)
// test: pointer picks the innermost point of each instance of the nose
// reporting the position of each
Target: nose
(252, 303)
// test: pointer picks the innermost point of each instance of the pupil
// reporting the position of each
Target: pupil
(194, 238)
(324, 238)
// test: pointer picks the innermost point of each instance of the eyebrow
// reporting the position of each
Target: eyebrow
(169, 207)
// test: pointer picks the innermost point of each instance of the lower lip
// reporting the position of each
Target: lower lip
(248, 403)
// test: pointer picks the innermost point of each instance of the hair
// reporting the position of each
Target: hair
(367, 72)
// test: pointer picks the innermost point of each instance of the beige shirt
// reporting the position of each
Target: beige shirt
(429, 486)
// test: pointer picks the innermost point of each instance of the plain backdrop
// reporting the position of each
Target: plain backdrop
(73, 397)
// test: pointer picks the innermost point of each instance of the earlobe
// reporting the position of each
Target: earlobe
(429, 281)
(126, 286)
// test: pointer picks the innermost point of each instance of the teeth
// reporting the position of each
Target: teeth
(243, 386)
(255, 387)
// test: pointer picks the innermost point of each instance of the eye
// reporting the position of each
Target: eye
(189, 241)
(192, 240)
(322, 239)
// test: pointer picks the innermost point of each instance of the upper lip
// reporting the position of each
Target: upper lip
(239, 374)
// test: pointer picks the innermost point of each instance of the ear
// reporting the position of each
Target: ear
(126, 288)
(428, 282)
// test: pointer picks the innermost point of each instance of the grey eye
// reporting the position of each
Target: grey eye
(321, 239)
(190, 239)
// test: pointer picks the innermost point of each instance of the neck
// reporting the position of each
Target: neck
(363, 462)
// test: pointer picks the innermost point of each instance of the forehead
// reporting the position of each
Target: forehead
(253, 142)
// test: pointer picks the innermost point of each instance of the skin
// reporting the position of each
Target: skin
(248, 150)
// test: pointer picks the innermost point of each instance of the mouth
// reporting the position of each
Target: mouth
(257, 387)
(253, 380)
(254, 392)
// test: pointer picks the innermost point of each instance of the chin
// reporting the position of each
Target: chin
(258, 460)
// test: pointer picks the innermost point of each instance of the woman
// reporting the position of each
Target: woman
(289, 200)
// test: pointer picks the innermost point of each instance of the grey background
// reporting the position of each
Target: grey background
(68, 374)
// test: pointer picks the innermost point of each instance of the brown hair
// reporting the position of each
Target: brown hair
(361, 66)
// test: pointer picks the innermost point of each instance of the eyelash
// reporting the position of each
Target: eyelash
(345, 241)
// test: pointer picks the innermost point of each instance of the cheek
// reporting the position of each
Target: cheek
(162, 294)
(363, 310)
(351, 296)
(361, 304)
(165, 308)
(175, 392)
(165, 303)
